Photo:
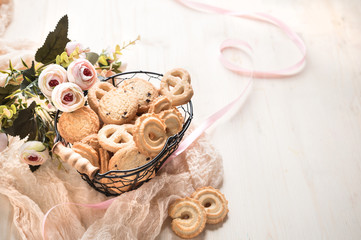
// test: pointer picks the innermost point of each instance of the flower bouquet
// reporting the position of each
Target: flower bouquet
(29, 96)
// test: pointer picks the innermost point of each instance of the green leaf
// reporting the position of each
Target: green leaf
(5, 91)
(34, 168)
(24, 63)
(24, 124)
(92, 57)
(29, 76)
(55, 42)
(11, 66)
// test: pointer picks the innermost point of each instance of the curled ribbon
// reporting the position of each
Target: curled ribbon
(229, 43)
(234, 43)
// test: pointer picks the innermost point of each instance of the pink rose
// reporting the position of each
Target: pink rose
(68, 97)
(71, 46)
(50, 77)
(82, 73)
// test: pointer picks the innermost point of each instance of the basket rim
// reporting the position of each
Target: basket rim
(170, 140)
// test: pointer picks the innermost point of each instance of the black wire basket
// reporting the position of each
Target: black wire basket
(115, 182)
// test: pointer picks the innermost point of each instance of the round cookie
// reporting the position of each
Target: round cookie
(150, 134)
(128, 158)
(173, 120)
(74, 126)
(114, 137)
(176, 85)
(92, 140)
(144, 91)
(87, 152)
(213, 202)
(189, 217)
(118, 107)
(159, 104)
(96, 93)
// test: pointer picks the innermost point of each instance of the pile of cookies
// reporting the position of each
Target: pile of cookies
(124, 127)
(190, 215)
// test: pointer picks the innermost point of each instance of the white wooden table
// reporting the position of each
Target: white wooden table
(292, 153)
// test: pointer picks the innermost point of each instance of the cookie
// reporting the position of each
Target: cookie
(214, 203)
(74, 126)
(128, 158)
(104, 160)
(149, 134)
(159, 104)
(144, 91)
(96, 93)
(114, 137)
(173, 120)
(87, 152)
(176, 85)
(189, 217)
(92, 140)
(118, 107)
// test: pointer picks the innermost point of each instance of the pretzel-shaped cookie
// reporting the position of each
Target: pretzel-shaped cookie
(173, 120)
(180, 82)
(189, 217)
(96, 93)
(114, 137)
(214, 203)
(149, 134)
(160, 104)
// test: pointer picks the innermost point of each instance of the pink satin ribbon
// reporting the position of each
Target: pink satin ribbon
(229, 43)
(234, 43)
(101, 205)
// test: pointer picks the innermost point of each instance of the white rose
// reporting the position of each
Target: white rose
(3, 141)
(3, 77)
(50, 77)
(34, 153)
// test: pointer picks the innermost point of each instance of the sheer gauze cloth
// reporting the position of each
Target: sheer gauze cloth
(137, 214)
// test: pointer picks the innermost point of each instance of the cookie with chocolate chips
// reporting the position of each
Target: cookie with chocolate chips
(144, 91)
(128, 158)
(118, 107)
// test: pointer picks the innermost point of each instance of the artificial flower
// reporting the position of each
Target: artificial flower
(3, 78)
(68, 97)
(72, 46)
(82, 73)
(34, 153)
(50, 77)
(3, 141)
